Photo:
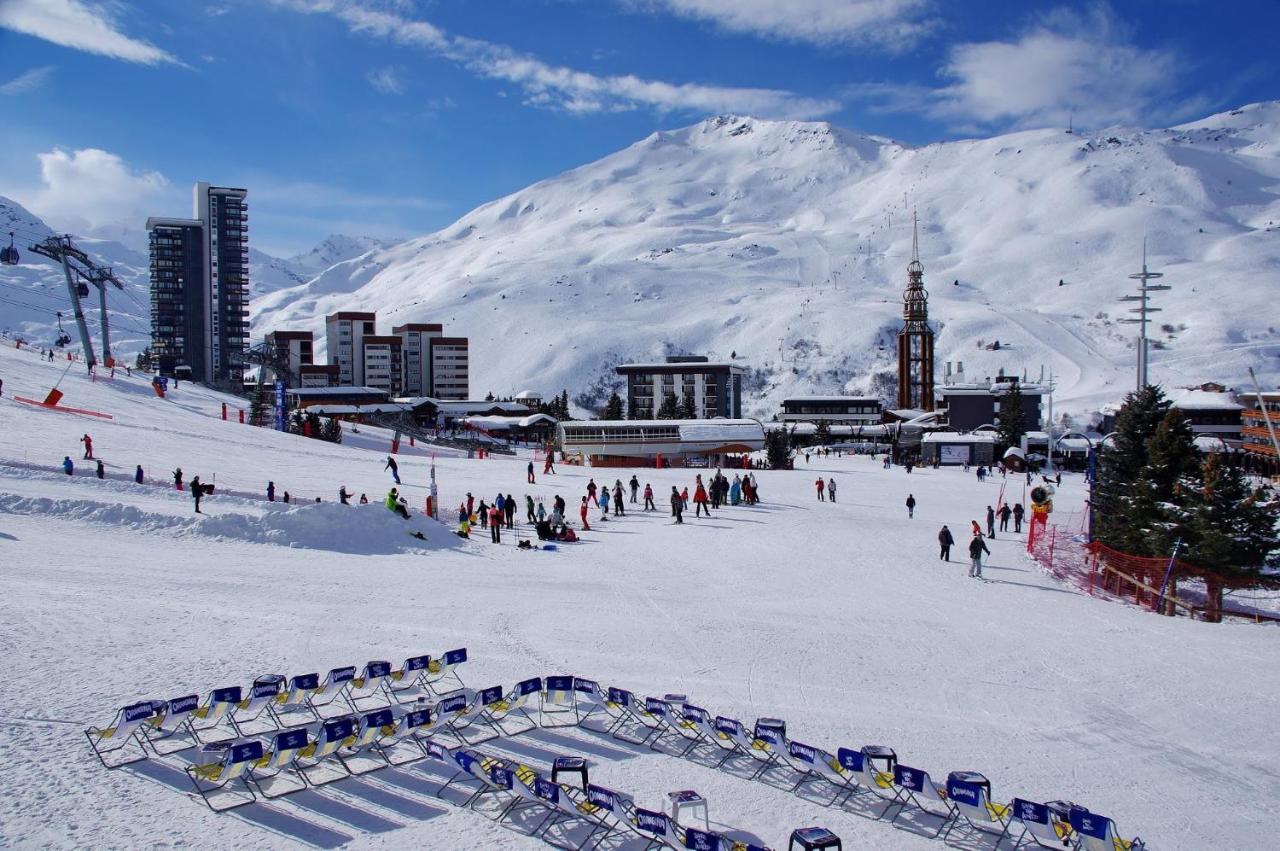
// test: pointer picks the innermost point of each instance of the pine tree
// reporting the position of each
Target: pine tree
(1120, 464)
(686, 410)
(1230, 529)
(564, 406)
(613, 408)
(822, 435)
(488, 397)
(669, 409)
(1159, 496)
(143, 360)
(777, 448)
(258, 408)
(1013, 425)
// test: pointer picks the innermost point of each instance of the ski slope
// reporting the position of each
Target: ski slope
(837, 617)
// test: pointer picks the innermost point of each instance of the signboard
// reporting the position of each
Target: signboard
(279, 404)
(952, 453)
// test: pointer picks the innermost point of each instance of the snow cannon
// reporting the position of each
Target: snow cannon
(1042, 500)
(1014, 460)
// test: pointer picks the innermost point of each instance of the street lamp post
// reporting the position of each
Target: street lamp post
(1144, 309)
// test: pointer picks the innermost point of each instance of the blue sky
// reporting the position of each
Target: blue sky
(393, 117)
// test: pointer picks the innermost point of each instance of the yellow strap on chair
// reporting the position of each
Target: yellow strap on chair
(883, 779)
(209, 771)
(998, 811)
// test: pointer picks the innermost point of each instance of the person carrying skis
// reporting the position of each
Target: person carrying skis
(177, 479)
(911, 505)
(831, 489)
(1005, 513)
(1018, 511)
(393, 467)
(976, 548)
(197, 492)
(137, 475)
(67, 466)
(582, 512)
(945, 542)
(648, 498)
(821, 485)
(635, 488)
(271, 492)
(343, 496)
(102, 471)
(88, 447)
(677, 505)
(991, 522)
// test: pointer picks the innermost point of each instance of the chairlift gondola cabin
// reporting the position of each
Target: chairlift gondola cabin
(9, 254)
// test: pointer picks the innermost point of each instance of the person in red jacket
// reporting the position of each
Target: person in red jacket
(88, 447)
(648, 498)
(700, 500)
(582, 512)
(820, 485)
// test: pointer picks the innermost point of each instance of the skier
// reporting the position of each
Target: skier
(991, 522)
(582, 512)
(617, 499)
(88, 447)
(976, 548)
(684, 498)
(677, 505)
(945, 542)
(177, 479)
(603, 502)
(821, 486)
(137, 475)
(495, 524)
(1005, 513)
(101, 470)
(648, 498)
(271, 492)
(343, 496)
(1018, 511)
(911, 505)
(393, 467)
(530, 470)
(68, 467)
(700, 500)
(591, 491)
(197, 492)
(635, 488)
(831, 489)
(464, 521)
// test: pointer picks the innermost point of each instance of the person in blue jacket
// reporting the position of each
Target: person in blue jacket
(67, 466)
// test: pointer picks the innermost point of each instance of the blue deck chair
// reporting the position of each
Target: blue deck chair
(814, 765)
(914, 786)
(853, 770)
(324, 699)
(878, 783)
(558, 705)
(695, 725)
(367, 691)
(121, 742)
(318, 761)
(767, 747)
(523, 783)
(275, 774)
(663, 832)
(1098, 833)
(407, 682)
(262, 692)
(590, 697)
(505, 714)
(218, 783)
(665, 719)
(364, 753)
(444, 671)
(468, 766)
(166, 731)
(213, 713)
(403, 743)
(973, 806)
(731, 738)
(473, 724)
(570, 804)
(758, 750)
(627, 713)
(1038, 822)
(292, 706)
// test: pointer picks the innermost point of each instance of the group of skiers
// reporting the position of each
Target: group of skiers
(978, 543)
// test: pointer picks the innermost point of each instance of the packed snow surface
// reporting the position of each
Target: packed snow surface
(839, 618)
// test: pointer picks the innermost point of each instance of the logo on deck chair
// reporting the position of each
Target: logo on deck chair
(700, 840)
(651, 822)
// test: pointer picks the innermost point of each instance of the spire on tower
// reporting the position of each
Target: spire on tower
(915, 237)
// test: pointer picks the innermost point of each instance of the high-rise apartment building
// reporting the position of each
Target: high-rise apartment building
(344, 335)
(450, 367)
(200, 287)
(416, 350)
(383, 367)
(296, 348)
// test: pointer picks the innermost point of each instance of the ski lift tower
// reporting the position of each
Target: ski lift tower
(1144, 309)
(60, 250)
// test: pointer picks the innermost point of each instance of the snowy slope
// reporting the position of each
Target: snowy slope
(837, 617)
(787, 242)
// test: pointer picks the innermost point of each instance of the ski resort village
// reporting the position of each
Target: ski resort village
(733, 481)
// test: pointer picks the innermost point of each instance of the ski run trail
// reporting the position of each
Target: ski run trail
(839, 618)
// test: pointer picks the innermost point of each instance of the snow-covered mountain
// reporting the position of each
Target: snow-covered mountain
(786, 243)
(268, 274)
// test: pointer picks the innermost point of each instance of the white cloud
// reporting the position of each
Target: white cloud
(1068, 64)
(91, 189)
(27, 81)
(386, 80)
(557, 87)
(79, 26)
(893, 23)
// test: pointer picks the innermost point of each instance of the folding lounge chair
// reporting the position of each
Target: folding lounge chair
(403, 743)
(367, 690)
(325, 697)
(762, 752)
(589, 696)
(815, 765)
(317, 761)
(914, 786)
(469, 766)
(626, 711)
(471, 725)
(504, 714)
(766, 747)
(731, 738)
(162, 729)
(217, 781)
(1098, 833)
(263, 691)
(212, 714)
(364, 752)
(276, 774)
(694, 724)
(661, 830)
(1039, 823)
(407, 682)
(121, 742)
(292, 706)
(972, 805)
(558, 706)
(524, 781)
(445, 670)
(571, 806)
(878, 783)
(664, 718)
(853, 768)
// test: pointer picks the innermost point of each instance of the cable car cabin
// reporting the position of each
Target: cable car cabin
(82, 290)
(9, 254)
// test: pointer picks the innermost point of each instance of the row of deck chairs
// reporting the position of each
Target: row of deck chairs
(271, 702)
(962, 802)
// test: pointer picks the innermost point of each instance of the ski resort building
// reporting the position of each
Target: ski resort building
(308, 397)
(832, 410)
(382, 363)
(666, 443)
(950, 448)
(294, 348)
(1211, 411)
(450, 367)
(713, 389)
(971, 406)
(344, 335)
(1256, 439)
(415, 345)
(318, 375)
(200, 288)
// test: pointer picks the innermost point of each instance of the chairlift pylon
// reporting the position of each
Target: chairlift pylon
(9, 255)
